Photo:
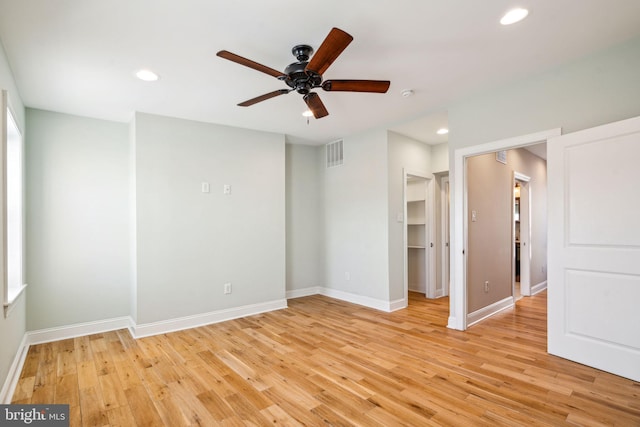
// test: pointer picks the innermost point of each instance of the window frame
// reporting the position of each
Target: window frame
(11, 291)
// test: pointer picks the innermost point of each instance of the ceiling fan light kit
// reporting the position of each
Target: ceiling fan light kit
(305, 75)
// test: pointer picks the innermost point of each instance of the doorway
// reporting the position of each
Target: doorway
(419, 265)
(521, 236)
(458, 315)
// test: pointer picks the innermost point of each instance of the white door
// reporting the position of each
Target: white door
(594, 247)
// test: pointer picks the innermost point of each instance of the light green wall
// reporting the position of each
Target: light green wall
(356, 218)
(595, 90)
(190, 243)
(77, 219)
(440, 158)
(12, 328)
(305, 224)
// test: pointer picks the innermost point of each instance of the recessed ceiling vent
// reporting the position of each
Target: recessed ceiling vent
(335, 154)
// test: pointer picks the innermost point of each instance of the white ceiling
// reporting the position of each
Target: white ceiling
(79, 56)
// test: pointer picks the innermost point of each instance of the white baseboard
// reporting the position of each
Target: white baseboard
(13, 375)
(387, 306)
(483, 313)
(299, 293)
(536, 289)
(188, 322)
(357, 299)
(398, 304)
(78, 330)
(452, 323)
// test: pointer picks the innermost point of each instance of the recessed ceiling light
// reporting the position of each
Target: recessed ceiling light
(442, 131)
(147, 75)
(513, 16)
(307, 113)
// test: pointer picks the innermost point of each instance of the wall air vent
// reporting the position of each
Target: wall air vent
(335, 154)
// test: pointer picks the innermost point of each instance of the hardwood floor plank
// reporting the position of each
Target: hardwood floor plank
(92, 408)
(171, 412)
(216, 405)
(113, 395)
(66, 390)
(193, 409)
(120, 417)
(66, 361)
(142, 408)
(277, 416)
(328, 362)
(30, 367)
(87, 375)
(24, 389)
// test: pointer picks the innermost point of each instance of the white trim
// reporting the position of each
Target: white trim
(376, 304)
(430, 254)
(10, 293)
(489, 310)
(536, 289)
(42, 336)
(430, 245)
(299, 293)
(526, 220)
(13, 376)
(9, 306)
(357, 299)
(458, 188)
(445, 246)
(188, 322)
(398, 304)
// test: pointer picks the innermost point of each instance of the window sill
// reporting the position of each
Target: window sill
(13, 298)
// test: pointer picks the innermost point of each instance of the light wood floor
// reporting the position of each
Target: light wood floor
(327, 362)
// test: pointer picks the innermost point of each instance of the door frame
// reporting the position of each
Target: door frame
(458, 291)
(445, 196)
(525, 261)
(430, 261)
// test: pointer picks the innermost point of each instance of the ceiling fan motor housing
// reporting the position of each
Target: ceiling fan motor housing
(300, 79)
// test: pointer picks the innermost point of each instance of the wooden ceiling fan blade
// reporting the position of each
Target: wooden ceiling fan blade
(249, 63)
(263, 97)
(315, 105)
(376, 86)
(329, 50)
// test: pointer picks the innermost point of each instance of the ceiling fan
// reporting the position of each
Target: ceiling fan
(305, 75)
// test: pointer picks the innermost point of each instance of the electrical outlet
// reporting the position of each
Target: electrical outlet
(486, 286)
(227, 288)
(347, 275)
